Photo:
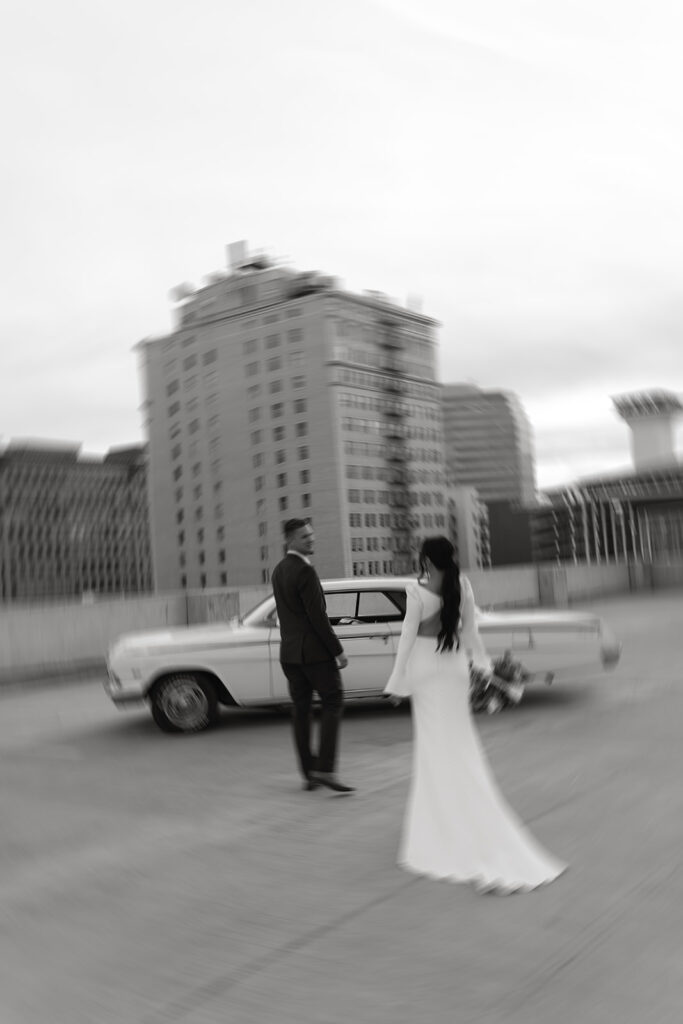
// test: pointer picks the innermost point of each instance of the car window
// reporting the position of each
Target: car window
(341, 606)
(379, 606)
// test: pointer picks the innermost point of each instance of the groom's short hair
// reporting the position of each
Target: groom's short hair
(292, 525)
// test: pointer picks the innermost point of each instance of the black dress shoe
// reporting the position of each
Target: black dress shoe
(308, 785)
(332, 782)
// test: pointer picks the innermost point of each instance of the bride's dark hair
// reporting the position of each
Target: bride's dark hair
(440, 553)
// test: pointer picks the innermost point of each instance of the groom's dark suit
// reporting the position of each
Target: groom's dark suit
(308, 652)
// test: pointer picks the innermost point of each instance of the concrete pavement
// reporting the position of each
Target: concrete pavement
(156, 879)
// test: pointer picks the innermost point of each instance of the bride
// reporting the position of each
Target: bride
(457, 824)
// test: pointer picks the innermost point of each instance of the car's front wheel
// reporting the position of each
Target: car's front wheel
(185, 702)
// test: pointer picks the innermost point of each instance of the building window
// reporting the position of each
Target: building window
(174, 408)
(256, 436)
(265, 575)
(272, 341)
(297, 361)
(258, 483)
(202, 580)
(275, 363)
(177, 472)
(172, 387)
(202, 558)
(253, 391)
(355, 519)
(306, 500)
(251, 369)
(356, 543)
(254, 415)
(193, 426)
(282, 480)
(302, 452)
(275, 386)
(179, 516)
(282, 504)
(262, 529)
(301, 429)
(196, 469)
(218, 511)
(293, 311)
(199, 513)
(278, 433)
(264, 553)
(224, 579)
(189, 362)
(200, 535)
(176, 451)
(300, 405)
(354, 497)
(250, 346)
(221, 555)
(190, 382)
(298, 382)
(276, 410)
(210, 357)
(257, 460)
(183, 581)
(197, 492)
(304, 476)
(220, 533)
(295, 336)
(280, 456)
(181, 538)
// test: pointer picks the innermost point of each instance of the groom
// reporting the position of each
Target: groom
(311, 656)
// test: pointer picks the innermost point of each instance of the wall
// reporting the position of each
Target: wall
(505, 587)
(39, 639)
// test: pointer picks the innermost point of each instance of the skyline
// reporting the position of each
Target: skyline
(522, 180)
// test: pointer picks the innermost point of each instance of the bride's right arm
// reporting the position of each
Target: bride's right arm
(469, 633)
(399, 684)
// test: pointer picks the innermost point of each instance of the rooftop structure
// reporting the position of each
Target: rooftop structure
(651, 415)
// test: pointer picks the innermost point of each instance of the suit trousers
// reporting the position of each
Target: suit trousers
(323, 678)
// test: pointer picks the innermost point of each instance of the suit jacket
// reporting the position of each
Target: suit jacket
(305, 632)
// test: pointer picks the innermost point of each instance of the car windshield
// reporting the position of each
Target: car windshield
(258, 615)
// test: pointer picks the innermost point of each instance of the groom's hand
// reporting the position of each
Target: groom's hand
(342, 661)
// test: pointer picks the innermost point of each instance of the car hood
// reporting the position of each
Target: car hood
(188, 638)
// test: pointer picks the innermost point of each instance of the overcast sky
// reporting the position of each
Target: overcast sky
(518, 164)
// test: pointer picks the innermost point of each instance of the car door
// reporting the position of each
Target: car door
(363, 621)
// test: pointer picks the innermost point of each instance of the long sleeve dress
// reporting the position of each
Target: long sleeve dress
(457, 824)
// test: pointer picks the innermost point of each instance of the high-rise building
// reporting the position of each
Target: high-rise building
(280, 394)
(469, 528)
(488, 443)
(72, 525)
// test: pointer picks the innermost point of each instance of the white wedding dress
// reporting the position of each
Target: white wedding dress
(457, 825)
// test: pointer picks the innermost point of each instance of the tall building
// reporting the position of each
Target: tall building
(488, 443)
(71, 526)
(280, 394)
(469, 528)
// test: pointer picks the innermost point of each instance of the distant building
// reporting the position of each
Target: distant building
(510, 532)
(488, 443)
(469, 528)
(625, 516)
(71, 526)
(280, 394)
(635, 516)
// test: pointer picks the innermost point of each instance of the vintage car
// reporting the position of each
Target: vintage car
(186, 673)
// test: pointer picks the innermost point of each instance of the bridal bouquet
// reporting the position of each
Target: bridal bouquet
(501, 688)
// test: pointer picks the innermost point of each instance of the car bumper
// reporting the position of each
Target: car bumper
(123, 691)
